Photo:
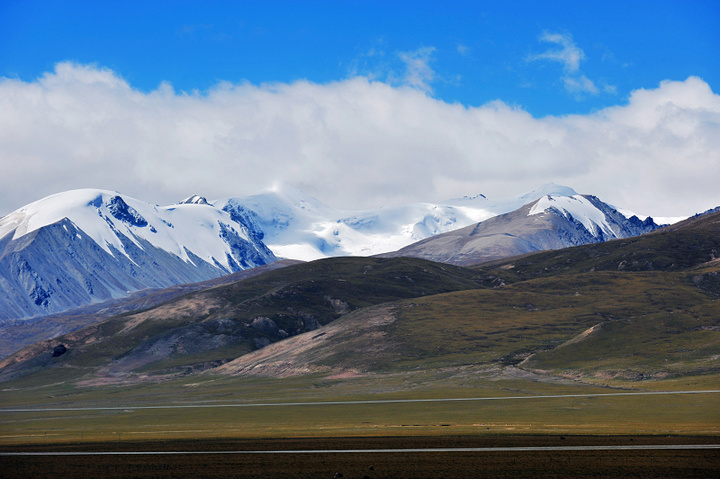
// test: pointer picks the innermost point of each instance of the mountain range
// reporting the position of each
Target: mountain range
(88, 246)
(632, 309)
(298, 226)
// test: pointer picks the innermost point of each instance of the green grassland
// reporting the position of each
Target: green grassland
(645, 324)
(674, 414)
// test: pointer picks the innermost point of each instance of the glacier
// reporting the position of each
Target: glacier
(298, 226)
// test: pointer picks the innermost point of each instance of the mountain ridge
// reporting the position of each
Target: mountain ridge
(105, 245)
(491, 317)
(550, 222)
(296, 225)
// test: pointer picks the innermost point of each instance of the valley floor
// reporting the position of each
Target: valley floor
(375, 457)
(403, 426)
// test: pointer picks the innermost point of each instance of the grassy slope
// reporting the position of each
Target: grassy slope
(601, 326)
(645, 325)
(203, 328)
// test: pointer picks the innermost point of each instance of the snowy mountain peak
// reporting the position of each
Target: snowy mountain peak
(89, 245)
(112, 220)
(194, 200)
(599, 219)
(578, 208)
(52, 209)
(550, 222)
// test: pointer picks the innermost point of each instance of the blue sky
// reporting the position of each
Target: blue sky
(478, 51)
(563, 64)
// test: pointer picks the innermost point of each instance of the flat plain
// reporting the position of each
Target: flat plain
(193, 434)
(217, 459)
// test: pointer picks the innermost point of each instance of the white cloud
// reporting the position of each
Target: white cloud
(418, 72)
(580, 84)
(570, 56)
(354, 144)
(411, 68)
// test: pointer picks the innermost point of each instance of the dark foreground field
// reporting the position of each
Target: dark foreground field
(221, 459)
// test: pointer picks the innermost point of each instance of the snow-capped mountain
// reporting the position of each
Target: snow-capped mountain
(86, 246)
(550, 222)
(295, 225)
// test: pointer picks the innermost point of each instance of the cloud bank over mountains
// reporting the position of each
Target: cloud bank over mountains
(356, 143)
